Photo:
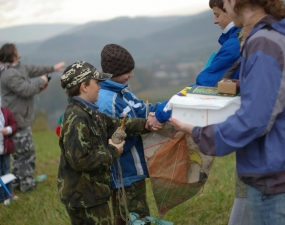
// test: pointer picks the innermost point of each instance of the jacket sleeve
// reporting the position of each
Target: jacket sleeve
(35, 71)
(82, 153)
(134, 126)
(141, 111)
(259, 108)
(162, 116)
(16, 81)
(153, 108)
(225, 58)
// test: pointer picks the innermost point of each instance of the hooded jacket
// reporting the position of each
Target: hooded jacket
(116, 100)
(17, 90)
(224, 59)
(256, 130)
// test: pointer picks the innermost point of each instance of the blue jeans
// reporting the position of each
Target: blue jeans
(5, 169)
(265, 209)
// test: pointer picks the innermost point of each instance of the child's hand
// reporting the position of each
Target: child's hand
(152, 123)
(59, 66)
(4, 131)
(118, 146)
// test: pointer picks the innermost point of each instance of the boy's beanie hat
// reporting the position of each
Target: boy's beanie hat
(116, 60)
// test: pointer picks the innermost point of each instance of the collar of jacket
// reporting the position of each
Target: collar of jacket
(15, 65)
(231, 32)
(85, 105)
(113, 86)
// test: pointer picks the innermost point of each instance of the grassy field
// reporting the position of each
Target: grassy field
(210, 206)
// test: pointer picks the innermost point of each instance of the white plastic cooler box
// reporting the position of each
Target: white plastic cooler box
(202, 110)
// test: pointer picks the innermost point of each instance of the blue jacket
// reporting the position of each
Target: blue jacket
(224, 59)
(116, 100)
(257, 130)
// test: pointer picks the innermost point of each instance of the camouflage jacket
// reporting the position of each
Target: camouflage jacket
(86, 156)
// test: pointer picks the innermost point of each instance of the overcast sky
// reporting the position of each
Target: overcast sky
(19, 12)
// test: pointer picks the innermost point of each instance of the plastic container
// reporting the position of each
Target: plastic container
(203, 110)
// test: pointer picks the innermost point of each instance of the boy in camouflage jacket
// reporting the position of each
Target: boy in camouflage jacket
(86, 148)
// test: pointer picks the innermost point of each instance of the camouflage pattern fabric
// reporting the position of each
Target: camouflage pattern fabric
(86, 156)
(79, 71)
(96, 215)
(136, 202)
(23, 161)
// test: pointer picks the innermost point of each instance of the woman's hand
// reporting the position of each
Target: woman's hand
(185, 128)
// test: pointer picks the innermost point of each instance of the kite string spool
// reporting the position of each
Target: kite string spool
(119, 135)
(123, 121)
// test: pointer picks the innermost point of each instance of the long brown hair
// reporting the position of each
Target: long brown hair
(275, 8)
(7, 53)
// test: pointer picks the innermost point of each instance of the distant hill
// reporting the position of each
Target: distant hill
(125, 27)
(177, 38)
(191, 40)
(32, 32)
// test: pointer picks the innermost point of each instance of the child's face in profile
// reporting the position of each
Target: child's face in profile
(123, 79)
(220, 17)
(236, 18)
(92, 90)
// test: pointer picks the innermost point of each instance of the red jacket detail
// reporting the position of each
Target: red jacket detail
(9, 121)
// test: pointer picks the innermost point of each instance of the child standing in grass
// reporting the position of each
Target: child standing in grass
(87, 152)
(115, 99)
(8, 127)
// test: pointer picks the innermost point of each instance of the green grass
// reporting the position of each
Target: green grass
(210, 206)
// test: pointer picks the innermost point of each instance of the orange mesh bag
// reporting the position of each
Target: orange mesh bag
(177, 168)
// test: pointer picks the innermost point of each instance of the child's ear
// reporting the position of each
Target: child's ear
(83, 87)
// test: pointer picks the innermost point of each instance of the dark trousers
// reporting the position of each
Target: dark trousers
(96, 215)
(136, 202)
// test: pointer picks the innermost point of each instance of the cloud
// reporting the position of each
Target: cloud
(7, 5)
(5, 8)
(18, 12)
(46, 10)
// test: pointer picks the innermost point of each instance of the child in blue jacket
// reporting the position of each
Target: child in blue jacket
(116, 100)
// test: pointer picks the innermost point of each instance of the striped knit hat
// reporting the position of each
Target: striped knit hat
(116, 60)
